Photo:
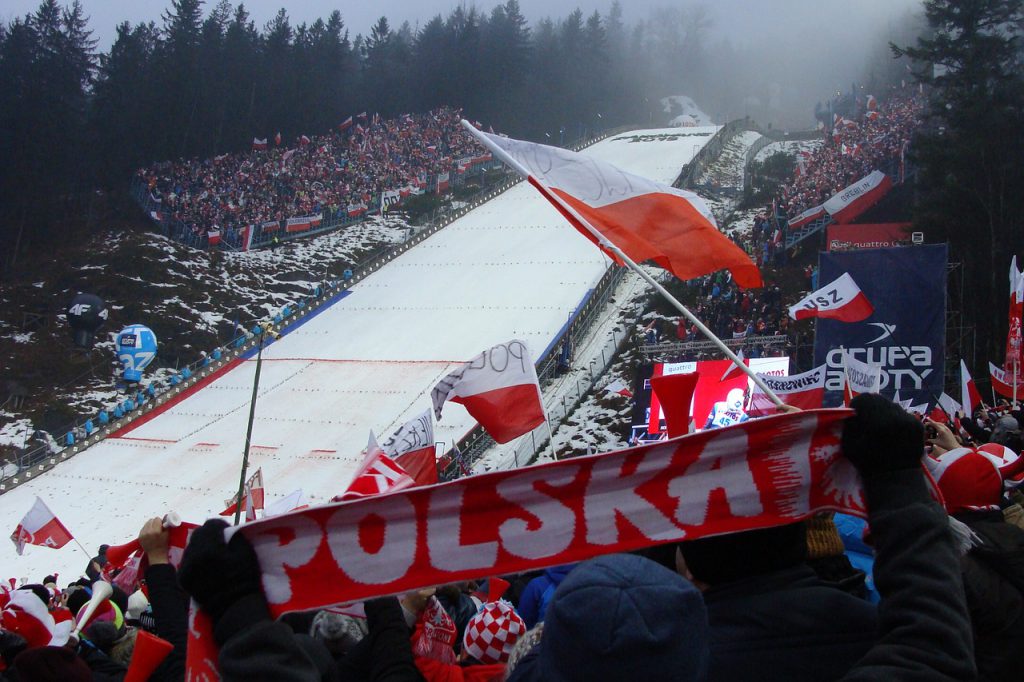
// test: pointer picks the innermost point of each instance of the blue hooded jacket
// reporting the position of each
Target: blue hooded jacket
(530, 602)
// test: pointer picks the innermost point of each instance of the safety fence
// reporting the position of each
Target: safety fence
(83, 433)
(710, 152)
(690, 349)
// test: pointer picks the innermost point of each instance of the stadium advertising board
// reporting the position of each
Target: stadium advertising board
(905, 335)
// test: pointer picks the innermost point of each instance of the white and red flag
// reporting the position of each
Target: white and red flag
(412, 448)
(304, 140)
(259, 144)
(377, 474)
(1003, 383)
(949, 405)
(345, 125)
(645, 219)
(806, 391)
(969, 395)
(859, 377)
(618, 387)
(40, 527)
(840, 300)
(498, 388)
(253, 489)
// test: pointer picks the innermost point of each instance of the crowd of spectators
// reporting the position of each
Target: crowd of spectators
(782, 603)
(322, 174)
(853, 148)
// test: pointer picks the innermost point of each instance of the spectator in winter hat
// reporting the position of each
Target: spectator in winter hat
(971, 483)
(493, 632)
(770, 616)
(620, 617)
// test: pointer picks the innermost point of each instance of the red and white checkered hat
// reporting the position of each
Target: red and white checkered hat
(493, 632)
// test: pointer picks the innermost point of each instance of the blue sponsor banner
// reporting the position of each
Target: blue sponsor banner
(905, 335)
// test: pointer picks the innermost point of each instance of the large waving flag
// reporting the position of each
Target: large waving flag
(970, 398)
(499, 388)
(645, 219)
(840, 300)
(412, 448)
(40, 526)
(1014, 339)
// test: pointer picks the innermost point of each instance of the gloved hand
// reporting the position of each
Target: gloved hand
(215, 573)
(882, 437)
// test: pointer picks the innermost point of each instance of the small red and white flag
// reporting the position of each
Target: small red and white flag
(619, 387)
(645, 219)
(345, 125)
(377, 474)
(498, 388)
(840, 300)
(949, 405)
(259, 144)
(734, 371)
(969, 395)
(304, 140)
(1003, 383)
(288, 503)
(254, 489)
(859, 377)
(40, 527)
(412, 448)
(806, 391)
(277, 138)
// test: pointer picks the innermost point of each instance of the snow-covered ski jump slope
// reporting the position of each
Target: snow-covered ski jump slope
(512, 268)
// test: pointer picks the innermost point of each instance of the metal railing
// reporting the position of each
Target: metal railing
(691, 348)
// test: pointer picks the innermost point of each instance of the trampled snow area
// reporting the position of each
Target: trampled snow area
(511, 268)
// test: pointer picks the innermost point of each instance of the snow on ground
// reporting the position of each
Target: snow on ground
(790, 147)
(727, 171)
(508, 269)
(684, 112)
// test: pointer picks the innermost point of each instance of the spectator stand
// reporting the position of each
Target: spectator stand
(84, 433)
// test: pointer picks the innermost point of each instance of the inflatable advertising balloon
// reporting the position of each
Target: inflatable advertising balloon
(86, 314)
(136, 348)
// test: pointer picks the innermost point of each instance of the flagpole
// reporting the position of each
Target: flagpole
(627, 261)
(81, 547)
(248, 430)
(551, 438)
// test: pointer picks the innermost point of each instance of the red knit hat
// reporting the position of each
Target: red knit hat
(968, 480)
(493, 632)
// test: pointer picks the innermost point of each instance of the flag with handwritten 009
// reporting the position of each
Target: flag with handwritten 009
(645, 219)
(761, 473)
(498, 388)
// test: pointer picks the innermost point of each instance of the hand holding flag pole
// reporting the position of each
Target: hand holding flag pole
(607, 245)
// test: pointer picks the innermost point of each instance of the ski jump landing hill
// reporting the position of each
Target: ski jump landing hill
(511, 268)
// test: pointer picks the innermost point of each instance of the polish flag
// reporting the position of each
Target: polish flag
(1003, 384)
(675, 393)
(1014, 339)
(259, 143)
(277, 138)
(412, 448)
(859, 377)
(969, 396)
(345, 125)
(734, 371)
(949, 405)
(254, 487)
(40, 527)
(304, 140)
(839, 300)
(645, 219)
(806, 391)
(287, 504)
(619, 387)
(378, 474)
(498, 388)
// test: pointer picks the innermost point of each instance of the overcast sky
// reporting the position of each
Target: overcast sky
(743, 21)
